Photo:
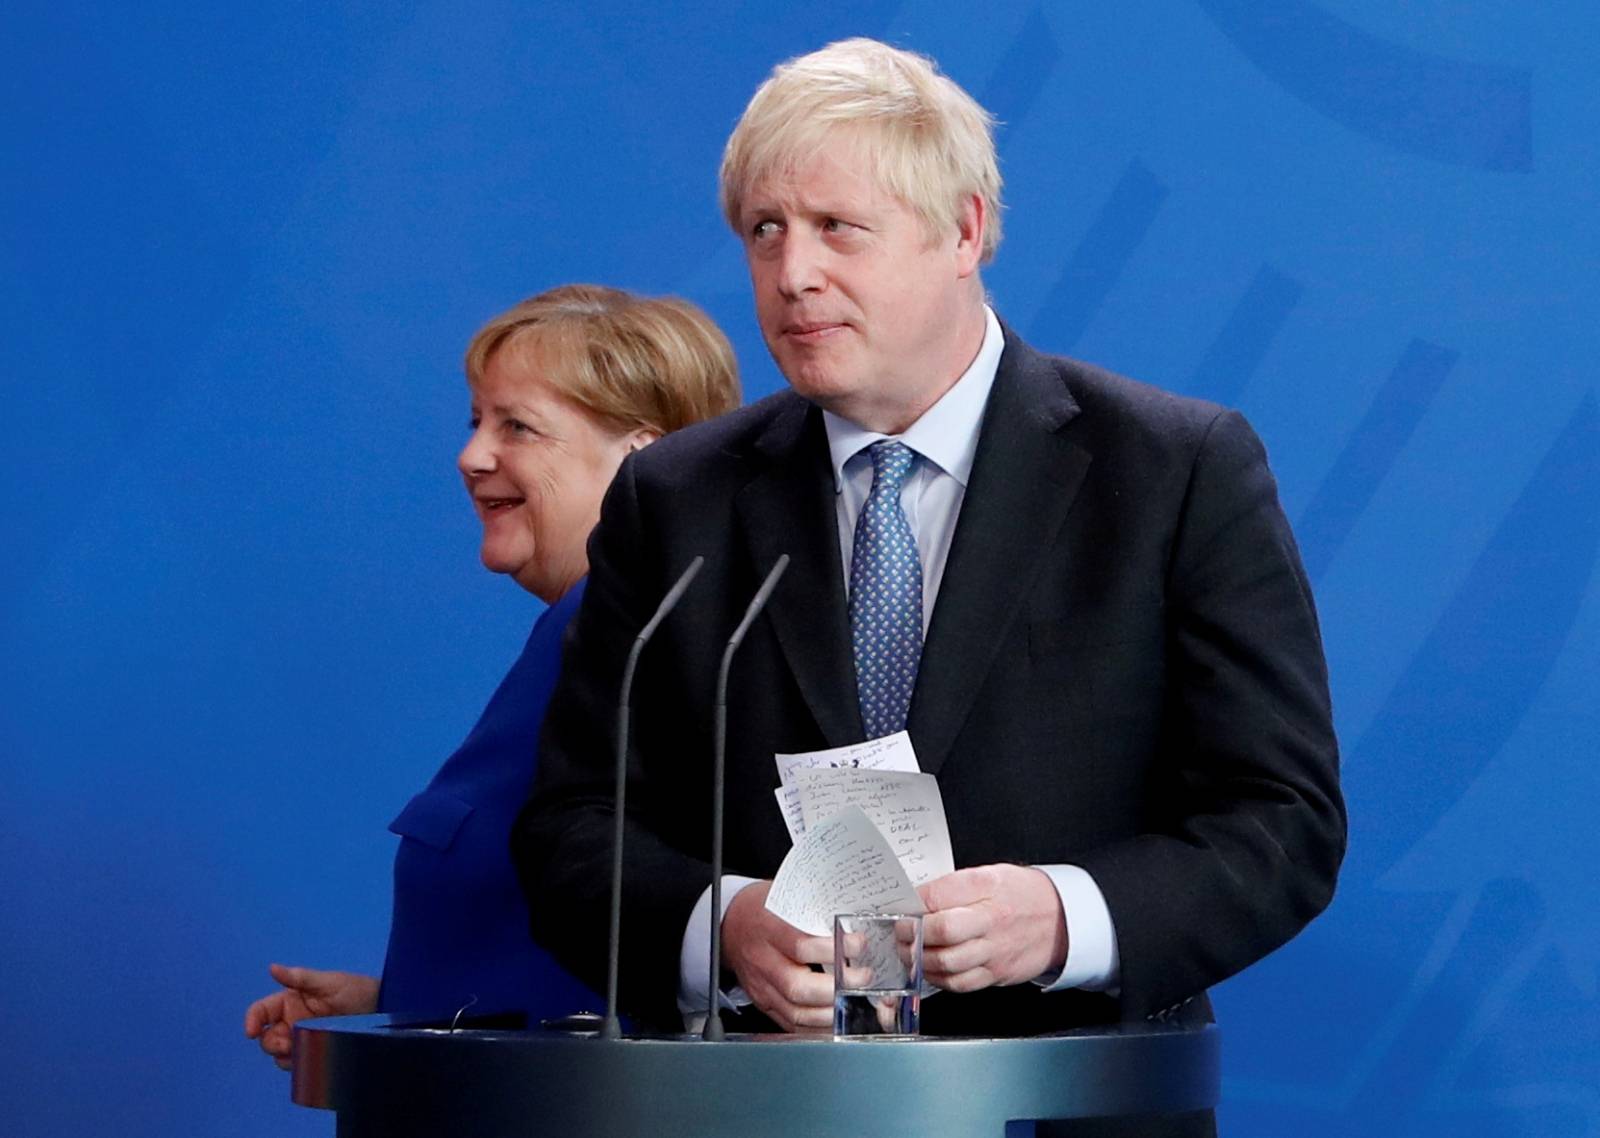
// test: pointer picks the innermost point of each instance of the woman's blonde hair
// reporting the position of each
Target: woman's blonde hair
(928, 142)
(657, 363)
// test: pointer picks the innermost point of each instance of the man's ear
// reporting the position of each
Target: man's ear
(971, 225)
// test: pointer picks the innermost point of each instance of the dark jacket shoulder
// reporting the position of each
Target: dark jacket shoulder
(1139, 406)
(720, 446)
(1117, 418)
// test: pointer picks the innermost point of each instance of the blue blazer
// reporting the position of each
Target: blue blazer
(460, 926)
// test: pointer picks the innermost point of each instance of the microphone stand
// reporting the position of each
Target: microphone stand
(713, 1028)
(611, 1028)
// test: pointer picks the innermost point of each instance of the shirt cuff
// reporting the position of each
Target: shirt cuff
(694, 958)
(1092, 959)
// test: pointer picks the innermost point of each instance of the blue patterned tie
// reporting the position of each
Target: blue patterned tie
(885, 596)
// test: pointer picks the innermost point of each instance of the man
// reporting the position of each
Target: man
(1077, 593)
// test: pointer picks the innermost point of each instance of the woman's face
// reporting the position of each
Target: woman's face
(537, 466)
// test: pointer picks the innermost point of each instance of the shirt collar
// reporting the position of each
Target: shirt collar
(947, 433)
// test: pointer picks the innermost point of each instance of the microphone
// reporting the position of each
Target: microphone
(713, 1028)
(611, 1028)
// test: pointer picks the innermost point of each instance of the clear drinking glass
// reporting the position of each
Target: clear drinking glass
(877, 975)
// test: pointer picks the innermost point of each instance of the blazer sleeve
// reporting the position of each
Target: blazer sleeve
(1247, 825)
(562, 840)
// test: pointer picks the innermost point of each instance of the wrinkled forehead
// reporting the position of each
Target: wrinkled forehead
(838, 158)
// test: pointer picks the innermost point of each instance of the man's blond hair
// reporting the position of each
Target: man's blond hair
(926, 140)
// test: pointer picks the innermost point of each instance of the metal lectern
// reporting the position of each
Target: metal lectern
(385, 1075)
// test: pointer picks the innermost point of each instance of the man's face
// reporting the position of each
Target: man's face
(866, 313)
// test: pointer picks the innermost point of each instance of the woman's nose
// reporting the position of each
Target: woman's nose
(477, 457)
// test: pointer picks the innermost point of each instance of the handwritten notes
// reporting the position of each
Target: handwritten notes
(868, 827)
(841, 865)
(904, 806)
(890, 753)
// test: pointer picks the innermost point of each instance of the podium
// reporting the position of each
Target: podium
(383, 1075)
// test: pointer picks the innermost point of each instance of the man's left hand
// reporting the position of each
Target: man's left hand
(991, 925)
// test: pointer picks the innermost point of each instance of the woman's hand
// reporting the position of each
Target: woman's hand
(307, 994)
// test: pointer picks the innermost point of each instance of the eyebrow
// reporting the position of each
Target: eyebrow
(513, 410)
(809, 209)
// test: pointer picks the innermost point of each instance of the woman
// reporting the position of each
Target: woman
(563, 387)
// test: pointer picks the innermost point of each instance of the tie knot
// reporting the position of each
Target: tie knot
(891, 463)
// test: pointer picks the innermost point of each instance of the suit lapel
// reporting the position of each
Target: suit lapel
(788, 507)
(1024, 478)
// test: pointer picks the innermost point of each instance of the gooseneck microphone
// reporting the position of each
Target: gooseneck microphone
(713, 1028)
(612, 1027)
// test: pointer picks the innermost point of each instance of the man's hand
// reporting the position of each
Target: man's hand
(772, 960)
(306, 994)
(991, 925)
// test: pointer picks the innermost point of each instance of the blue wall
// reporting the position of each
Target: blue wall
(242, 617)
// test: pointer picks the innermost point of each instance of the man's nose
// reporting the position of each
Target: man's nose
(800, 264)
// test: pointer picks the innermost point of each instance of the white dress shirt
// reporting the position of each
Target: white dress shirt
(945, 439)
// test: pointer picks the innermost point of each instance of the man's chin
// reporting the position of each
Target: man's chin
(822, 385)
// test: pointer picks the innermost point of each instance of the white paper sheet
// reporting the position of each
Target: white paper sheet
(841, 865)
(905, 807)
(891, 753)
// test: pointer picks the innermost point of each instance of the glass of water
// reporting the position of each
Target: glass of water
(877, 975)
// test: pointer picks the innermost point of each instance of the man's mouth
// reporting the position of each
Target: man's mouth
(811, 331)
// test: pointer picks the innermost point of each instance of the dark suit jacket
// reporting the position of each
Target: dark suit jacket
(1123, 672)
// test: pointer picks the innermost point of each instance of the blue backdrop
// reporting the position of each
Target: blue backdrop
(242, 618)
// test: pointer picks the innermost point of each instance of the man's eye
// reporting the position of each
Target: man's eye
(472, 423)
(762, 230)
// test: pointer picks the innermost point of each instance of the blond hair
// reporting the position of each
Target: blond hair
(932, 145)
(657, 363)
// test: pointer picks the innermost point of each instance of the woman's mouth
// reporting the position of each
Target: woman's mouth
(490, 507)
